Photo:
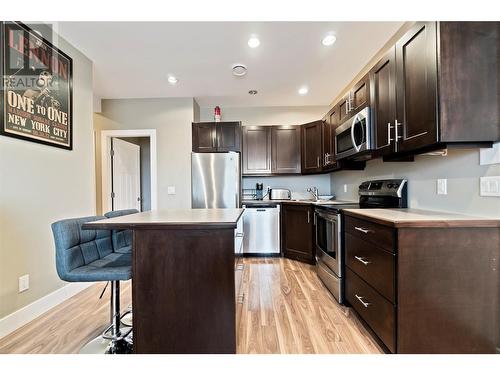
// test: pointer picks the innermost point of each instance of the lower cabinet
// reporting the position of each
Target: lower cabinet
(428, 289)
(297, 232)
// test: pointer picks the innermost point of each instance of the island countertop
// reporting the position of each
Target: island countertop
(178, 218)
(410, 217)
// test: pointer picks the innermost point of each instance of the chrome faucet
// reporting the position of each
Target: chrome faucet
(314, 191)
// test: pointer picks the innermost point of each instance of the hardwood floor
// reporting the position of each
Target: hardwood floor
(286, 310)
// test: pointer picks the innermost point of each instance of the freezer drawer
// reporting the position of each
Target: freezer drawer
(261, 226)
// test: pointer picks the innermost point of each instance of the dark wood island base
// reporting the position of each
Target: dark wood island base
(183, 284)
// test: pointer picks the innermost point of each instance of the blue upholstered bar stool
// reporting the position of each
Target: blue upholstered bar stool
(122, 239)
(89, 256)
(122, 243)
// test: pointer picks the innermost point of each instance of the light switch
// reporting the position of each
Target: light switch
(490, 186)
(24, 283)
(345, 188)
(171, 190)
(442, 186)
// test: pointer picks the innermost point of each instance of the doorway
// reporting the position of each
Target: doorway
(128, 164)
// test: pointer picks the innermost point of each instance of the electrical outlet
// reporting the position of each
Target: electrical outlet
(442, 188)
(345, 188)
(490, 186)
(24, 283)
(171, 190)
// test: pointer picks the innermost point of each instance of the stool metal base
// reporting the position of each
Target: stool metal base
(101, 345)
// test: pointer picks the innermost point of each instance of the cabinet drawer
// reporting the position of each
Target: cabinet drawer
(377, 234)
(374, 265)
(377, 312)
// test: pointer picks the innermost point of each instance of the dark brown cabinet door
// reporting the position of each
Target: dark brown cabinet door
(328, 135)
(343, 108)
(204, 137)
(256, 150)
(383, 100)
(297, 232)
(285, 146)
(360, 94)
(416, 87)
(228, 136)
(311, 147)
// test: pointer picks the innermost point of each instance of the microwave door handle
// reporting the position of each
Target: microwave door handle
(356, 147)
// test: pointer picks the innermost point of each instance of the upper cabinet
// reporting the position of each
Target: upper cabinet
(330, 122)
(312, 147)
(383, 93)
(285, 149)
(216, 136)
(360, 95)
(437, 87)
(416, 88)
(256, 156)
(270, 150)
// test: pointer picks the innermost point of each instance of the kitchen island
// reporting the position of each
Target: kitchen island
(183, 290)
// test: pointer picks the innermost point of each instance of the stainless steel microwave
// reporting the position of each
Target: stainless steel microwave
(354, 135)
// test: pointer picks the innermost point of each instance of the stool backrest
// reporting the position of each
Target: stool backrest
(76, 247)
(121, 237)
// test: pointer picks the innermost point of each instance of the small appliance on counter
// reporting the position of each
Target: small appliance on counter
(280, 194)
(259, 191)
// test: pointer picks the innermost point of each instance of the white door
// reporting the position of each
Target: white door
(126, 175)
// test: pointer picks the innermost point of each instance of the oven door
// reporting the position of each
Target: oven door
(328, 241)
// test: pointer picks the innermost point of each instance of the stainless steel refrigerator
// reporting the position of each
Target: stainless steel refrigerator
(215, 180)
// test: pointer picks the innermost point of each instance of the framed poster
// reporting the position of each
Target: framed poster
(37, 89)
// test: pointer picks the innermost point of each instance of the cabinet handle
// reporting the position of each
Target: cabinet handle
(365, 304)
(314, 218)
(240, 234)
(389, 139)
(318, 162)
(308, 216)
(396, 128)
(365, 231)
(362, 260)
(347, 106)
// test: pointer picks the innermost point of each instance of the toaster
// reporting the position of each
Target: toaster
(280, 194)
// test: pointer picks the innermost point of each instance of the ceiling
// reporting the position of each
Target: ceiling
(134, 59)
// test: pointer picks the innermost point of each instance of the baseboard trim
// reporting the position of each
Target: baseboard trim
(26, 314)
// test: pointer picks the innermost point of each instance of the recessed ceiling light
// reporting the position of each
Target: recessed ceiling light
(252, 92)
(253, 42)
(329, 40)
(172, 80)
(239, 70)
(303, 90)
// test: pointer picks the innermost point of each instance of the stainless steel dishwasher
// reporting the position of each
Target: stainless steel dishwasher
(261, 225)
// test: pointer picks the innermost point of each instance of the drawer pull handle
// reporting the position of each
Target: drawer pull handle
(362, 260)
(365, 231)
(240, 234)
(365, 304)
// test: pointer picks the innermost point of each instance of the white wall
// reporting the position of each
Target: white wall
(276, 116)
(41, 184)
(172, 120)
(460, 167)
(267, 115)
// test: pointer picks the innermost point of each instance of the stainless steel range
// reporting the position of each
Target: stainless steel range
(329, 228)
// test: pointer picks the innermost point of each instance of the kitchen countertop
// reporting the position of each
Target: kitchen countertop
(411, 217)
(192, 218)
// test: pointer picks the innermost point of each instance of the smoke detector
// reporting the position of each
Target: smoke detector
(239, 70)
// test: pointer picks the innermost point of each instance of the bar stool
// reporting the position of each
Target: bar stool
(122, 243)
(89, 256)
